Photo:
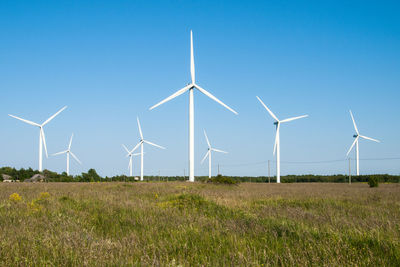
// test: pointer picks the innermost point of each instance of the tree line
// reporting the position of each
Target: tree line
(92, 176)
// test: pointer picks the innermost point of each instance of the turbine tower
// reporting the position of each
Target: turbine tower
(42, 138)
(130, 154)
(190, 87)
(357, 138)
(208, 154)
(141, 142)
(277, 145)
(68, 152)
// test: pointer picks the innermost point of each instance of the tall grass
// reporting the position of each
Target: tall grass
(171, 224)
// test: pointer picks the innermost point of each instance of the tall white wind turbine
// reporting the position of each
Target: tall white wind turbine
(190, 87)
(42, 138)
(208, 154)
(277, 145)
(141, 142)
(357, 137)
(130, 154)
(68, 152)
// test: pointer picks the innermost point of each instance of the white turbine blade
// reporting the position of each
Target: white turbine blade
(150, 143)
(269, 111)
(214, 98)
(125, 148)
(44, 141)
(276, 137)
(208, 152)
(138, 154)
(352, 145)
(29, 122)
(369, 138)
(138, 144)
(52, 117)
(218, 150)
(70, 141)
(177, 93)
(208, 142)
(294, 118)
(192, 73)
(60, 153)
(76, 158)
(140, 128)
(354, 122)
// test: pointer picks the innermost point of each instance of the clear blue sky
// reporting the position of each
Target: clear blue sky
(109, 61)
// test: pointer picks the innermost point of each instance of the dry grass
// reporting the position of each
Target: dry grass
(178, 223)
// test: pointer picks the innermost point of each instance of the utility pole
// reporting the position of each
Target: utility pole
(349, 171)
(269, 172)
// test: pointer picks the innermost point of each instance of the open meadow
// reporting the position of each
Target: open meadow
(179, 223)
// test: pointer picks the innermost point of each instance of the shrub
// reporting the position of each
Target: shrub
(373, 181)
(222, 180)
(15, 197)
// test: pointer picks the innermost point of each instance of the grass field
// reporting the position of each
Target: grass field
(178, 223)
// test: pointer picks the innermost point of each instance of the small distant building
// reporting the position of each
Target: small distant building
(37, 178)
(7, 178)
(136, 178)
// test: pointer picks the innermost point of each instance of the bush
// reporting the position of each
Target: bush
(373, 181)
(222, 180)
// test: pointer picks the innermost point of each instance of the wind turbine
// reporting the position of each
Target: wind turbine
(42, 138)
(208, 154)
(130, 154)
(190, 87)
(68, 152)
(277, 145)
(141, 142)
(357, 138)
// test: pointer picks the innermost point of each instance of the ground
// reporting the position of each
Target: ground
(180, 223)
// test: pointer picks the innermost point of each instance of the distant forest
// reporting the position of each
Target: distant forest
(92, 176)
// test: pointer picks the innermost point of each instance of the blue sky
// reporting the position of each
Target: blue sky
(109, 61)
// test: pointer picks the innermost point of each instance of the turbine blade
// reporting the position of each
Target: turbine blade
(52, 117)
(138, 154)
(150, 143)
(192, 73)
(44, 141)
(75, 157)
(294, 118)
(138, 144)
(70, 141)
(269, 111)
(352, 145)
(29, 122)
(218, 150)
(214, 98)
(130, 163)
(208, 142)
(140, 128)
(177, 93)
(369, 138)
(276, 137)
(354, 122)
(60, 153)
(125, 148)
(205, 156)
